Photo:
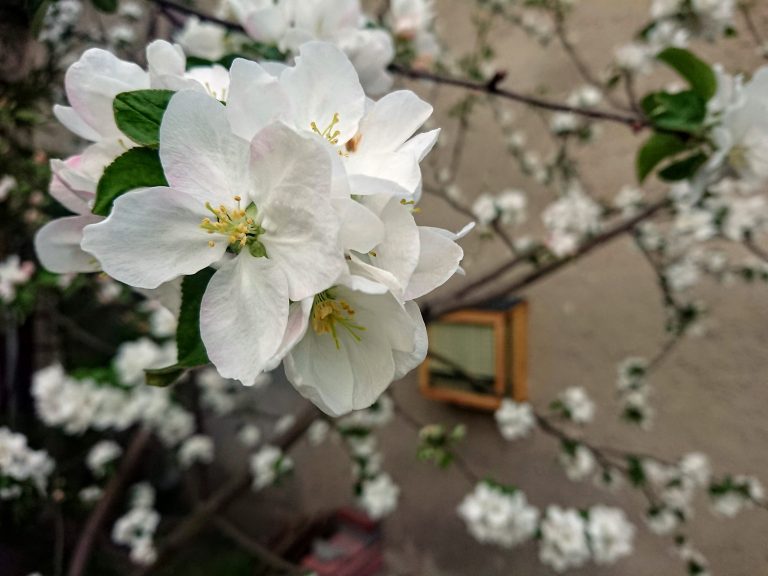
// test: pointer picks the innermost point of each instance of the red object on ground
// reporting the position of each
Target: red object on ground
(353, 549)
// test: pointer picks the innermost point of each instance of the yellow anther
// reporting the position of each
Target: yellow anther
(328, 133)
(354, 142)
(211, 243)
(327, 313)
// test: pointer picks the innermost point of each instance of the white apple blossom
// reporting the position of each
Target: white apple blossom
(610, 534)
(268, 465)
(497, 516)
(578, 463)
(136, 530)
(249, 435)
(260, 210)
(102, 454)
(20, 465)
(515, 420)
(564, 542)
(7, 184)
(197, 449)
(91, 85)
(134, 357)
(290, 24)
(577, 406)
(13, 274)
(379, 496)
(203, 39)
(570, 219)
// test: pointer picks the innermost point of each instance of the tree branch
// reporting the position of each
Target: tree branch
(452, 302)
(198, 520)
(112, 493)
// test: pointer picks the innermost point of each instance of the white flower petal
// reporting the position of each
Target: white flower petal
(152, 236)
(399, 252)
(391, 121)
(438, 262)
(267, 25)
(74, 123)
(165, 59)
(361, 229)
(324, 83)
(199, 153)
(402, 168)
(93, 82)
(243, 316)
(298, 322)
(407, 361)
(421, 144)
(302, 234)
(58, 245)
(255, 99)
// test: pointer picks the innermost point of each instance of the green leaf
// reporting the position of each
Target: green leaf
(136, 168)
(657, 148)
(163, 377)
(191, 349)
(681, 112)
(138, 114)
(108, 6)
(698, 73)
(683, 169)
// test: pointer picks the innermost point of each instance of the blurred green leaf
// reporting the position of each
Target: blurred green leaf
(656, 149)
(698, 73)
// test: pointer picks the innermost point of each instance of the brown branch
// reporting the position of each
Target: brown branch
(199, 519)
(746, 11)
(112, 493)
(637, 123)
(254, 548)
(452, 302)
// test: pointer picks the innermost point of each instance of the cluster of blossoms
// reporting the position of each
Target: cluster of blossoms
(515, 420)
(197, 449)
(674, 23)
(508, 207)
(570, 124)
(376, 492)
(299, 193)
(634, 392)
(136, 529)
(269, 465)
(285, 25)
(567, 538)
(571, 219)
(575, 405)
(102, 455)
(13, 273)
(21, 468)
(77, 405)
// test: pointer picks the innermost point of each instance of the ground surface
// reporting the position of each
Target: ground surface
(711, 393)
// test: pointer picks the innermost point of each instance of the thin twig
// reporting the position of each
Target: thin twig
(255, 548)
(199, 519)
(451, 302)
(491, 87)
(112, 493)
(746, 11)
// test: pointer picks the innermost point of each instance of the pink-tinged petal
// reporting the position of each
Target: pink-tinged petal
(243, 316)
(58, 245)
(438, 262)
(324, 83)
(74, 123)
(73, 199)
(391, 121)
(92, 84)
(200, 154)
(152, 236)
(255, 99)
